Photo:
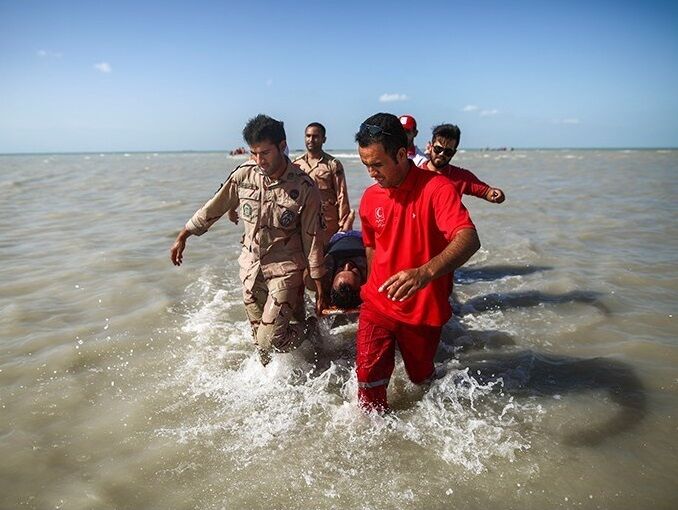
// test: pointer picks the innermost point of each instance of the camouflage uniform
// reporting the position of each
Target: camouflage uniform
(281, 220)
(328, 174)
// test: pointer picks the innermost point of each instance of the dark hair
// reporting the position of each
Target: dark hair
(263, 128)
(345, 296)
(392, 135)
(319, 126)
(447, 131)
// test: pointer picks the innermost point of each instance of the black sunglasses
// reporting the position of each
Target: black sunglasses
(446, 151)
(373, 130)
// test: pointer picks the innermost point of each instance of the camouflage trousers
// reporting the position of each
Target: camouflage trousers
(276, 315)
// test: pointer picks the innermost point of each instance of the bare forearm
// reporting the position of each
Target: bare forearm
(177, 249)
(405, 283)
(460, 249)
(369, 253)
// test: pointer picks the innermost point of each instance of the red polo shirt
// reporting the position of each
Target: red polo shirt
(407, 226)
(464, 180)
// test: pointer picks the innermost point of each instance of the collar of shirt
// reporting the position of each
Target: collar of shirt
(408, 184)
(323, 158)
(270, 183)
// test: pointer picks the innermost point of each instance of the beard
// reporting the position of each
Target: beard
(439, 163)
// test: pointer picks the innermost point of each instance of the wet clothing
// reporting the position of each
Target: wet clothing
(376, 340)
(281, 239)
(417, 156)
(328, 174)
(345, 246)
(464, 180)
(406, 227)
(276, 315)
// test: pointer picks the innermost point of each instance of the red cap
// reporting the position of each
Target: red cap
(408, 122)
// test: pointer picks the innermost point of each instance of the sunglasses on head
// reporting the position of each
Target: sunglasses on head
(442, 150)
(373, 130)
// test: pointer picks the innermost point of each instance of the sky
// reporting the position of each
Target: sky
(81, 76)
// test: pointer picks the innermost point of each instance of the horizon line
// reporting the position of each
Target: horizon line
(226, 151)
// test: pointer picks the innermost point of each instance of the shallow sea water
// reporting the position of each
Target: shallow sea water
(128, 383)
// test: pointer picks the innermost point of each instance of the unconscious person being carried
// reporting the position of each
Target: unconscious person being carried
(346, 266)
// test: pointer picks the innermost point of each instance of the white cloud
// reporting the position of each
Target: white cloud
(49, 54)
(571, 121)
(103, 67)
(489, 113)
(483, 112)
(389, 98)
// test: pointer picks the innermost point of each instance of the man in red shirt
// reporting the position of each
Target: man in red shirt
(413, 152)
(443, 147)
(416, 233)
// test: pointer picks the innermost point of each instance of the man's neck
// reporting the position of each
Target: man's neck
(406, 172)
(278, 173)
(315, 155)
(433, 168)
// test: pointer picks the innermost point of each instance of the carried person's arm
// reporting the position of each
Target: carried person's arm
(404, 284)
(369, 254)
(321, 301)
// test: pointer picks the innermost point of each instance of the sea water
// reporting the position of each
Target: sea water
(126, 382)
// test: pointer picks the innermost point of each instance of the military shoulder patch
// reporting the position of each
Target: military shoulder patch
(287, 218)
(247, 210)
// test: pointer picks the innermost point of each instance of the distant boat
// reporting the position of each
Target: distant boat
(238, 152)
(498, 149)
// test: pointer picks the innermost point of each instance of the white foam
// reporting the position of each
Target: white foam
(247, 408)
(346, 155)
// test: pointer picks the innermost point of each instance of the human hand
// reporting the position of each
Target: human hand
(404, 284)
(177, 249)
(233, 215)
(495, 195)
(320, 302)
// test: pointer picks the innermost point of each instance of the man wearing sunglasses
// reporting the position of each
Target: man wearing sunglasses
(280, 208)
(443, 147)
(416, 233)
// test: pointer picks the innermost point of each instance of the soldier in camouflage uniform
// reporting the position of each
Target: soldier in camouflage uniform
(280, 207)
(328, 174)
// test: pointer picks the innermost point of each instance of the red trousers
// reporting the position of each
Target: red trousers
(375, 354)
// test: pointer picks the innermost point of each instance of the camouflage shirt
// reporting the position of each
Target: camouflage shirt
(281, 220)
(328, 174)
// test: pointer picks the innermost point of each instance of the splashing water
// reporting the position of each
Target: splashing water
(245, 409)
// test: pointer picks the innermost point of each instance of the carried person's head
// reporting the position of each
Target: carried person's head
(345, 291)
(444, 143)
(267, 142)
(382, 145)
